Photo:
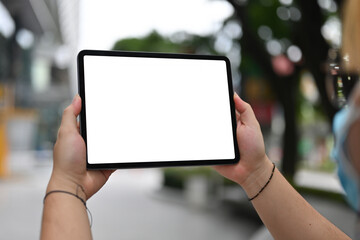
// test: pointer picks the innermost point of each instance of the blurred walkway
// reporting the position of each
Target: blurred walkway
(133, 205)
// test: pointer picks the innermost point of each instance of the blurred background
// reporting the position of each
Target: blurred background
(281, 52)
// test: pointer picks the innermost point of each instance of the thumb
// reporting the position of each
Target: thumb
(71, 112)
(76, 103)
(244, 109)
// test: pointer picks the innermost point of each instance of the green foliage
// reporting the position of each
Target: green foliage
(176, 177)
(153, 42)
(181, 43)
(250, 67)
(260, 14)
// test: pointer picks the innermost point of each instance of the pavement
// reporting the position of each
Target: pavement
(134, 205)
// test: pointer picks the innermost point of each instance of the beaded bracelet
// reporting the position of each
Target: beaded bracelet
(272, 173)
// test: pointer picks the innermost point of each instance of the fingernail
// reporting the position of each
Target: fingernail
(236, 95)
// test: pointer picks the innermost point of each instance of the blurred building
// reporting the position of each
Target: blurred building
(38, 44)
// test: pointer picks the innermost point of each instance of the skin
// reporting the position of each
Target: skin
(65, 216)
(285, 213)
(354, 133)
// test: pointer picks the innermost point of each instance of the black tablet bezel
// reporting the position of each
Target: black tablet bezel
(116, 165)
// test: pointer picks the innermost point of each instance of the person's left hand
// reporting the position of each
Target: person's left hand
(69, 169)
(254, 167)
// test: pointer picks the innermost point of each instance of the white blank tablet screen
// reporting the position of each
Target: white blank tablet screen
(155, 109)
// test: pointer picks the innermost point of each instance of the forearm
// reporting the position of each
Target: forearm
(65, 216)
(285, 213)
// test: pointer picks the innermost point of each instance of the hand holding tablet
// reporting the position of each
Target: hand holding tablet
(132, 114)
(154, 110)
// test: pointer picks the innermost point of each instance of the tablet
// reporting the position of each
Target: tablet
(156, 110)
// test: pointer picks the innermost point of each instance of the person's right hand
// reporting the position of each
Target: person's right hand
(254, 166)
(69, 169)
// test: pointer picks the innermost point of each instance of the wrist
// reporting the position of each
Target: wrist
(258, 178)
(64, 184)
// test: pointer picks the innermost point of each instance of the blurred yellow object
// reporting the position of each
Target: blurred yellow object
(6, 104)
(4, 170)
(9, 114)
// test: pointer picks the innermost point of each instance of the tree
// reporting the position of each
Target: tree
(179, 43)
(303, 31)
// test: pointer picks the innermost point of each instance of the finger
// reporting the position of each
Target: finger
(77, 104)
(244, 109)
(240, 105)
(71, 112)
